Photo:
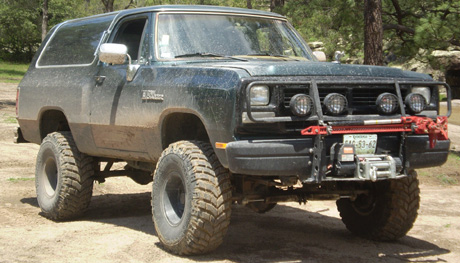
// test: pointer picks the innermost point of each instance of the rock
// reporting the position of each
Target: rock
(421, 67)
(453, 48)
(316, 45)
(448, 59)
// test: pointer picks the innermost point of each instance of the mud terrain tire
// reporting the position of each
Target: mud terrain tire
(387, 214)
(191, 198)
(63, 177)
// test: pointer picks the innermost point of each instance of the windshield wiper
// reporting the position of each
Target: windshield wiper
(210, 55)
(265, 54)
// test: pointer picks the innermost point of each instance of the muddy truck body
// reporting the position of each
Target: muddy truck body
(223, 106)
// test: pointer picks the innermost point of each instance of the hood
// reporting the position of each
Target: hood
(298, 68)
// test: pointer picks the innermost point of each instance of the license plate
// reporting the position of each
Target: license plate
(364, 143)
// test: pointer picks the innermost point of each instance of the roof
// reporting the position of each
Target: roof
(184, 8)
(199, 8)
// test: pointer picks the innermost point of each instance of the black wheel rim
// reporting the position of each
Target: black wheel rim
(364, 204)
(49, 176)
(174, 199)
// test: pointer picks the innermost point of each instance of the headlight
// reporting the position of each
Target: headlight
(260, 95)
(424, 91)
(387, 103)
(301, 105)
(415, 102)
(335, 103)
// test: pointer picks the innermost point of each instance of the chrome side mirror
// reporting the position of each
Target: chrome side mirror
(113, 53)
(320, 55)
(116, 54)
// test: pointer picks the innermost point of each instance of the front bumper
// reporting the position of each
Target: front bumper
(419, 154)
(296, 157)
(270, 157)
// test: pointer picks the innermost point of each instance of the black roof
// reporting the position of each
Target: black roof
(185, 8)
(199, 8)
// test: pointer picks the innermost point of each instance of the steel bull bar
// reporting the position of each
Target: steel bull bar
(435, 128)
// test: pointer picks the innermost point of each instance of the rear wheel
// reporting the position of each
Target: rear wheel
(191, 198)
(387, 213)
(260, 206)
(63, 177)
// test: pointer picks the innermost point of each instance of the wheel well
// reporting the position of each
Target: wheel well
(51, 121)
(182, 126)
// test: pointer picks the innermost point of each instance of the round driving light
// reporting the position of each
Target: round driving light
(415, 102)
(425, 91)
(335, 103)
(387, 103)
(301, 105)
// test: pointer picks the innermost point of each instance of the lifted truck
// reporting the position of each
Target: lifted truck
(220, 106)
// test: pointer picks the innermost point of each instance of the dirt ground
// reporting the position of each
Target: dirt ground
(118, 226)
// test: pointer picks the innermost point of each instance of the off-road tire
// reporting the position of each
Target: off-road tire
(191, 198)
(387, 213)
(63, 177)
(260, 207)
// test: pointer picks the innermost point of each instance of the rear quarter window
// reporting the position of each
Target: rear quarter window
(74, 43)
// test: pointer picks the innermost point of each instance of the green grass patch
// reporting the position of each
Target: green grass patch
(6, 118)
(20, 179)
(447, 174)
(447, 180)
(12, 72)
(442, 97)
(11, 120)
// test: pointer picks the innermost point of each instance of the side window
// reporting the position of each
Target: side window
(132, 33)
(75, 42)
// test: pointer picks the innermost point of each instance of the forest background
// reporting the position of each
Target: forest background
(404, 29)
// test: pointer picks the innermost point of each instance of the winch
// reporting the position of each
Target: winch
(373, 167)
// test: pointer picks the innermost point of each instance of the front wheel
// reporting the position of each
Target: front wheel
(191, 198)
(387, 213)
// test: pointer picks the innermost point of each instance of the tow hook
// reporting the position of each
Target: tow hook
(435, 130)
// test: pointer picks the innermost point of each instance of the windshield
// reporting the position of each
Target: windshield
(223, 36)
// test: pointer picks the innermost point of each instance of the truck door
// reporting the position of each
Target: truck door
(117, 123)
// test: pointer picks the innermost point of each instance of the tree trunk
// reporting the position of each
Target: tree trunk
(45, 19)
(132, 3)
(373, 32)
(108, 5)
(276, 3)
(249, 4)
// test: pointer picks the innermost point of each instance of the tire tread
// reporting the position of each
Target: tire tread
(210, 214)
(395, 216)
(77, 178)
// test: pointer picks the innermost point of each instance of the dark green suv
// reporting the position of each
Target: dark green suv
(220, 106)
